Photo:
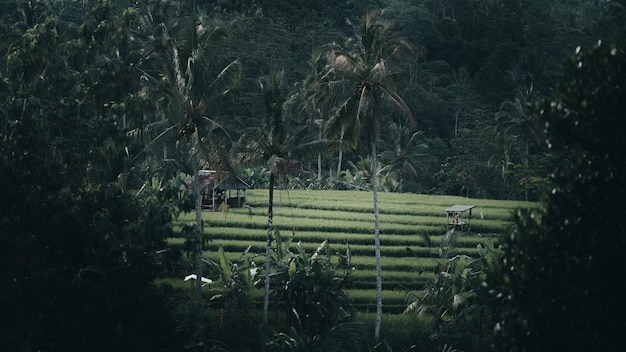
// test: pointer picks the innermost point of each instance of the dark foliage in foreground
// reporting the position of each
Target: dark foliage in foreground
(558, 279)
(79, 252)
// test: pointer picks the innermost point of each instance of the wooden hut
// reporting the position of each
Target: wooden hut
(459, 216)
(217, 189)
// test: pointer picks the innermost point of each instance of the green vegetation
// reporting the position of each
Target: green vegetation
(379, 112)
(409, 239)
(557, 257)
(412, 253)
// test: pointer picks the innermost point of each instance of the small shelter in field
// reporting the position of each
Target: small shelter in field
(218, 189)
(459, 216)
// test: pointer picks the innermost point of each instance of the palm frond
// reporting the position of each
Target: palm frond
(326, 53)
(344, 62)
(398, 103)
(212, 34)
(179, 79)
(380, 73)
(228, 78)
(149, 133)
(311, 148)
(219, 160)
(343, 121)
(137, 135)
(190, 39)
(280, 166)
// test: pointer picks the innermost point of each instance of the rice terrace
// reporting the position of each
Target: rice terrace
(411, 175)
(412, 227)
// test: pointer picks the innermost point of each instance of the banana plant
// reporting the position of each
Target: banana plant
(308, 286)
(231, 287)
(446, 297)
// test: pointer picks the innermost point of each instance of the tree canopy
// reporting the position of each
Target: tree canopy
(88, 195)
(80, 253)
(562, 257)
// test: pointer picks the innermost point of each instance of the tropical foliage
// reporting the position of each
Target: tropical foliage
(314, 299)
(108, 109)
(453, 298)
(556, 257)
(81, 251)
(360, 74)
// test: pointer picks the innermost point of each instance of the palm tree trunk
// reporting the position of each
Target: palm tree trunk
(457, 114)
(340, 153)
(198, 249)
(319, 155)
(339, 164)
(526, 151)
(379, 280)
(268, 250)
(319, 166)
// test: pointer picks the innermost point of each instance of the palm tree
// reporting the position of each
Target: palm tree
(318, 102)
(403, 153)
(185, 118)
(518, 124)
(279, 142)
(359, 73)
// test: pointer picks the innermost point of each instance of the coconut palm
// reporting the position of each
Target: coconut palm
(185, 122)
(279, 142)
(359, 73)
(318, 102)
(518, 125)
(403, 153)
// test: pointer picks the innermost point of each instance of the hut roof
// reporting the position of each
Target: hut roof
(458, 208)
(225, 182)
(232, 182)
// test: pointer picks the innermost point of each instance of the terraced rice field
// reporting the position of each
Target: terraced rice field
(410, 225)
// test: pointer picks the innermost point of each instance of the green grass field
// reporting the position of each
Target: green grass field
(411, 226)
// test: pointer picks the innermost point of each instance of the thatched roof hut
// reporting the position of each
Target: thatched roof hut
(217, 187)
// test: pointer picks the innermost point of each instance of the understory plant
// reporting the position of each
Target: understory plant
(317, 310)
(230, 291)
(451, 298)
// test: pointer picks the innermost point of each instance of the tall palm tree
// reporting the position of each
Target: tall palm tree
(189, 87)
(359, 72)
(280, 141)
(318, 102)
(519, 125)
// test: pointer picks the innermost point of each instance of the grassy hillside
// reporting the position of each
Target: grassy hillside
(411, 227)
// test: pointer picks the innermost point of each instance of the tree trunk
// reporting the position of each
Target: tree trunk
(319, 166)
(198, 249)
(268, 250)
(457, 114)
(526, 169)
(379, 279)
(340, 153)
(319, 156)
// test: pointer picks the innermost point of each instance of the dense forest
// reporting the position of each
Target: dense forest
(106, 106)
(478, 68)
